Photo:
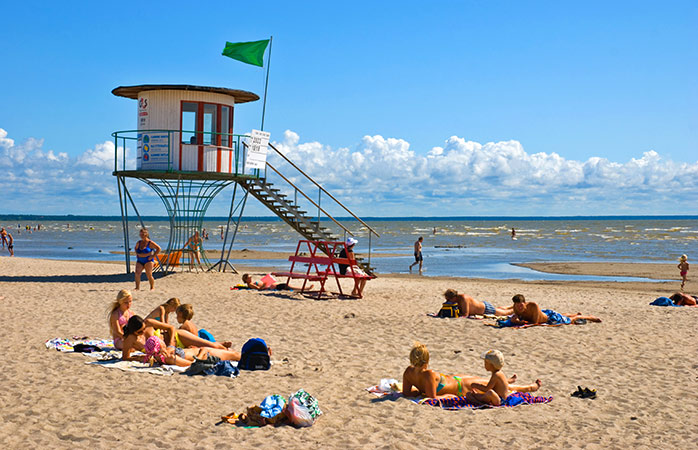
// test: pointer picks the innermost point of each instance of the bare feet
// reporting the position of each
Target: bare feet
(512, 379)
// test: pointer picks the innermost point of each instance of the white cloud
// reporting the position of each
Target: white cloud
(43, 182)
(383, 176)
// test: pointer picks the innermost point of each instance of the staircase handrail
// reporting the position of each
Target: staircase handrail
(323, 190)
(309, 199)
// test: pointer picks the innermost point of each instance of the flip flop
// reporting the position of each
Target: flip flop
(579, 321)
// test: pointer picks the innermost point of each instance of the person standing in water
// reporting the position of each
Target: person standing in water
(418, 259)
(11, 244)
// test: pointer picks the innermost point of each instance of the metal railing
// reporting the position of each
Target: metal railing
(321, 192)
(174, 137)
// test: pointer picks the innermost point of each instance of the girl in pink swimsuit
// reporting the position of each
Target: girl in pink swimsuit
(119, 314)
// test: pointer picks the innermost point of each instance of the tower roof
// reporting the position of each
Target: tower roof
(132, 91)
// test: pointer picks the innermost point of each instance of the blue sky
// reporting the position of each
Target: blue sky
(467, 108)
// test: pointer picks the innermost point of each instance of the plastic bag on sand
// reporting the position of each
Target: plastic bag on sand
(298, 414)
(302, 409)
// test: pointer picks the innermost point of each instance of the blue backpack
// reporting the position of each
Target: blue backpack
(255, 355)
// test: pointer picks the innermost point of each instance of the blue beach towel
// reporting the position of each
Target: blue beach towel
(663, 301)
(203, 334)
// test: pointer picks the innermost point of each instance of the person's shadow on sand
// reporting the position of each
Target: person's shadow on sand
(108, 278)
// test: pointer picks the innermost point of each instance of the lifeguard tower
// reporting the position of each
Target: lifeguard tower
(187, 153)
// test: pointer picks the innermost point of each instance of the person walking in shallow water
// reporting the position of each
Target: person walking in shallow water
(418, 254)
(683, 269)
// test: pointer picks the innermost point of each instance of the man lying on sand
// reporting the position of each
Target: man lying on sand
(470, 307)
(530, 313)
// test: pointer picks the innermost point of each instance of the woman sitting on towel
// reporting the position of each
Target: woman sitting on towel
(141, 337)
(419, 379)
(119, 314)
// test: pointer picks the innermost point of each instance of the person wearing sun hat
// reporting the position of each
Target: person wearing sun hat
(348, 252)
(683, 269)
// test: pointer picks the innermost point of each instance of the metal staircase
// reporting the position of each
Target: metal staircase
(293, 215)
(290, 211)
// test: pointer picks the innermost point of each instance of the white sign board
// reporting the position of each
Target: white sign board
(257, 150)
(153, 151)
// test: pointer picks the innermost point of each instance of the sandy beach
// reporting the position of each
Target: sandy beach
(641, 359)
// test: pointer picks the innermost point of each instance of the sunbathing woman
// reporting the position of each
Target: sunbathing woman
(139, 336)
(263, 286)
(433, 384)
(119, 314)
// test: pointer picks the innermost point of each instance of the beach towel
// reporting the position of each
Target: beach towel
(555, 319)
(663, 301)
(137, 366)
(474, 317)
(239, 287)
(68, 344)
(456, 403)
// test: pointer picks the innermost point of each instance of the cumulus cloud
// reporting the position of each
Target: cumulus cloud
(495, 178)
(45, 182)
(383, 176)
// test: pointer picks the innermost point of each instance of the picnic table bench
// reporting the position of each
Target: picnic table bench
(320, 261)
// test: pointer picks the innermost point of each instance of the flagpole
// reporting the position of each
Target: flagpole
(266, 84)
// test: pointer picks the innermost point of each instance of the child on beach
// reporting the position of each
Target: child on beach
(185, 313)
(159, 317)
(683, 269)
(162, 312)
(119, 314)
(497, 389)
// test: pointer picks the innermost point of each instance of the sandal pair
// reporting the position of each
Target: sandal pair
(584, 393)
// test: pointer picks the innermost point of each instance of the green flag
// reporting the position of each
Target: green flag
(247, 52)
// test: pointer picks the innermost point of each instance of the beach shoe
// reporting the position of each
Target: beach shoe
(578, 393)
(579, 321)
(589, 393)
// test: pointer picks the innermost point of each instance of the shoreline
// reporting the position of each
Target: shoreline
(660, 272)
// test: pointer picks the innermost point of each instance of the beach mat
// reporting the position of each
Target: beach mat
(135, 366)
(68, 344)
(456, 403)
(473, 317)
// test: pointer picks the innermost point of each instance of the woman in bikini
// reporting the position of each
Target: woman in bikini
(138, 336)
(146, 251)
(119, 314)
(419, 379)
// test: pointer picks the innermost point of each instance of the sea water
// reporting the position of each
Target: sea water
(469, 247)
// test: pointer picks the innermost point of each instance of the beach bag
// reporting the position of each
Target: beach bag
(449, 310)
(302, 409)
(254, 355)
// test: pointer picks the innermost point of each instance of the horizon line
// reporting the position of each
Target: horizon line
(420, 218)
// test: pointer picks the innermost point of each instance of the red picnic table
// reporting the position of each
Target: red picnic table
(320, 259)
